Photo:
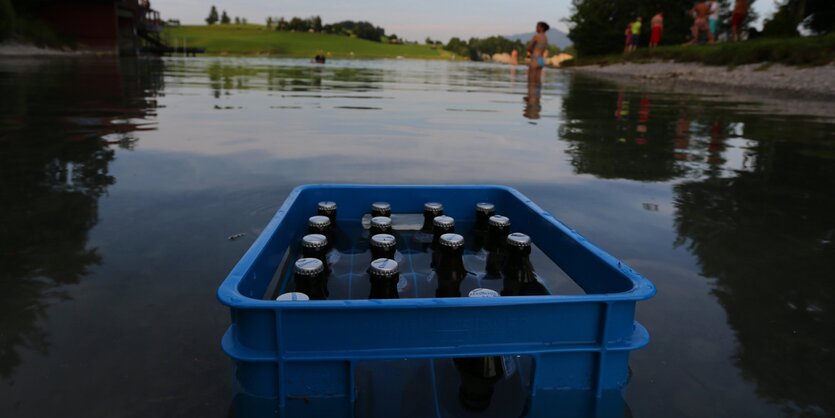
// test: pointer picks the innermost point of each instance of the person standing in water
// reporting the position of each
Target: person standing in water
(738, 18)
(635, 40)
(536, 50)
(628, 34)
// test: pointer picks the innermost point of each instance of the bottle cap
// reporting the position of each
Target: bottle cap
(309, 266)
(327, 206)
(383, 241)
(499, 220)
(314, 241)
(483, 293)
(292, 296)
(518, 239)
(443, 221)
(433, 207)
(381, 222)
(485, 207)
(383, 267)
(452, 240)
(380, 207)
(319, 221)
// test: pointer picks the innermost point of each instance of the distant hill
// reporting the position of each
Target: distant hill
(554, 36)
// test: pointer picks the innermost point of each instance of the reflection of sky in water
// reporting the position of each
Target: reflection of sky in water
(712, 199)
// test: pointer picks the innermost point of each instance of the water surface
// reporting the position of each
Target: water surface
(121, 181)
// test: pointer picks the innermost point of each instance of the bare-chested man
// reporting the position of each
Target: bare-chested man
(700, 12)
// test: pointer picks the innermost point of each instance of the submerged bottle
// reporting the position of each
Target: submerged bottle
(316, 246)
(383, 273)
(309, 278)
(450, 268)
(381, 209)
(498, 228)
(479, 374)
(380, 225)
(327, 208)
(320, 225)
(440, 225)
(483, 212)
(383, 246)
(431, 210)
(519, 276)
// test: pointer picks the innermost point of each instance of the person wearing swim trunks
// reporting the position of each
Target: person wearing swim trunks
(536, 50)
(713, 18)
(657, 23)
(636, 34)
(700, 12)
(738, 17)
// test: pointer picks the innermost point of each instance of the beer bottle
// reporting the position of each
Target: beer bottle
(380, 209)
(450, 267)
(327, 208)
(380, 225)
(483, 212)
(431, 210)
(440, 225)
(478, 374)
(383, 246)
(309, 278)
(316, 246)
(519, 277)
(497, 229)
(384, 275)
(320, 225)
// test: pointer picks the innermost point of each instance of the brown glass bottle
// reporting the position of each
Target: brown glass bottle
(316, 246)
(498, 227)
(380, 209)
(327, 208)
(380, 225)
(518, 272)
(431, 210)
(322, 225)
(309, 278)
(450, 268)
(383, 246)
(384, 274)
(440, 225)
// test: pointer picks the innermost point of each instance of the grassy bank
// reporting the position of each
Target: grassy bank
(816, 50)
(258, 40)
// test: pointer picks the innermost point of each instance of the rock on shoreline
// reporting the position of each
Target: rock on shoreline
(812, 82)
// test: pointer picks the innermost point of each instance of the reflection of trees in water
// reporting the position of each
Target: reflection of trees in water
(225, 77)
(760, 221)
(60, 120)
(765, 236)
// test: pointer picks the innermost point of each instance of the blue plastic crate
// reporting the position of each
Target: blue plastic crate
(301, 359)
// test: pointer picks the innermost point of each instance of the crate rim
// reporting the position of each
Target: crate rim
(229, 295)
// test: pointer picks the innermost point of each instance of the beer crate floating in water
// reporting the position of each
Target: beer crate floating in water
(320, 357)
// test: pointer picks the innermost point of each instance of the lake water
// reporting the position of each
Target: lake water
(121, 182)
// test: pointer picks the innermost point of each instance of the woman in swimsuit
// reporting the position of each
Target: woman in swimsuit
(536, 50)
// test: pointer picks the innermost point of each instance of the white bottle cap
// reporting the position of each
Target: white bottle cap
(483, 293)
(292, 296)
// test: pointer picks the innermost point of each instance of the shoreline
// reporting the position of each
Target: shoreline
(808, 83)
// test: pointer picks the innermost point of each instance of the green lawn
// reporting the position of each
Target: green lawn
(258, 40)
(813, 50)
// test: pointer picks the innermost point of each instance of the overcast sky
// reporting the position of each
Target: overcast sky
(413, 19)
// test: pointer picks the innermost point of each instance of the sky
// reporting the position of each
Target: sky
(412, 20)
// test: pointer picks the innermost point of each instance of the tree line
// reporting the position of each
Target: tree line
(476, 48)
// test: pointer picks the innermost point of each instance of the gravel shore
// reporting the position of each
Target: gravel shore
(808, 82)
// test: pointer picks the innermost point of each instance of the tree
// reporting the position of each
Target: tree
(429, 41)
(316, 23)
(269, 22)
(816, 15)
(281, 25)
(212, 19)
(298, 24)
(243, 21)
(224, 18)
(237, 20)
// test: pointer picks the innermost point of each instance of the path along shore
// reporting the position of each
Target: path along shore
(813, 83)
